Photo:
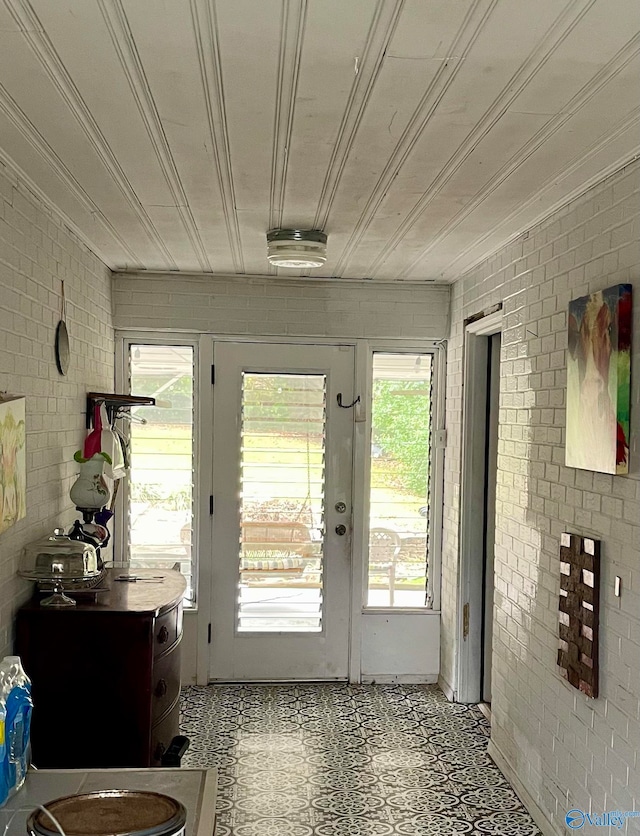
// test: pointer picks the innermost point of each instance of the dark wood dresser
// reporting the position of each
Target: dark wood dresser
(105, 674)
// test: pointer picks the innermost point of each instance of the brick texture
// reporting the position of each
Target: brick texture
(283, 308)
(36, 252)
(567, 750)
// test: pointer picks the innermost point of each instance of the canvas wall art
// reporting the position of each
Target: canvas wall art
(599, 381)
(13, 464)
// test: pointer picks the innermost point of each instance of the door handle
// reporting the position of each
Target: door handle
(341, 530)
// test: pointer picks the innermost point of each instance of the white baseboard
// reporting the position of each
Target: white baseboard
(398, 679)
(536, 813)
(446, 689)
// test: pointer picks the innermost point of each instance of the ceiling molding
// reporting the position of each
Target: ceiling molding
(125, 48)
(262, 278)
(39, 144)
(33, 31)
(582, 97)
(474, 21)
(558, 32)
(208, 49)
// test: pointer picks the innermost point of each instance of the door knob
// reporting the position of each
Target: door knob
(341, 529)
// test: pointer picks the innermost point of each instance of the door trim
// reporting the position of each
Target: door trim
(470, 524)
(204, 522)
(204, 343)
(240, 652)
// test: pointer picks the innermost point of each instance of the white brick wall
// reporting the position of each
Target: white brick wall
(277, 307)
(568, 751)
(36, 252)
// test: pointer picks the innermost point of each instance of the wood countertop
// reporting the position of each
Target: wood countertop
(156, 591)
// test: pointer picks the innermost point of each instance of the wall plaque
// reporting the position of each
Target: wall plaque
(579, 608)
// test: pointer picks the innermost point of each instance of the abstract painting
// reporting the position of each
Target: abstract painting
(579, 614)
(13, 467)
(598, 381)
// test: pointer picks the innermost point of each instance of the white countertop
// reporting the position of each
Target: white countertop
(195, 788)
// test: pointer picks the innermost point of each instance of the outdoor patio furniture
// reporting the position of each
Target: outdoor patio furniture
(384, 548)
(272, 548)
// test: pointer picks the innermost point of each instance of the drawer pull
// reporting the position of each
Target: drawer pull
(163, 636)
(161, 688)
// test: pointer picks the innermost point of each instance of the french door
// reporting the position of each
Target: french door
(282, 464)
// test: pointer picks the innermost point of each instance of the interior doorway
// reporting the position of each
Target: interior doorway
(491, 477)
(481, 398)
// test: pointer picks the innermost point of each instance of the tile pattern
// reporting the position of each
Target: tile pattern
(340, 760)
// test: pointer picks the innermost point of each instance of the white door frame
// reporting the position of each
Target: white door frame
(281, 654)
(197, 619)
(471, 523)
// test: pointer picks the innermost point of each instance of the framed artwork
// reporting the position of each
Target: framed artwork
(13, 466)
(599, 381)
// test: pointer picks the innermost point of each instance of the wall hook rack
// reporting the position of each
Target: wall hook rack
(113, 403)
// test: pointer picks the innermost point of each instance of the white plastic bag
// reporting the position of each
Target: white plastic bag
(110, 444)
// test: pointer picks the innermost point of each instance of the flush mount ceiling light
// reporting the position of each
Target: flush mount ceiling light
(297, 248)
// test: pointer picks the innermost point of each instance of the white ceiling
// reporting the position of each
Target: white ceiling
(172, 134)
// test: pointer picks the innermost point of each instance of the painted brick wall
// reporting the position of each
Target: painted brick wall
(277, 307)
(36, 252)
(566, 750)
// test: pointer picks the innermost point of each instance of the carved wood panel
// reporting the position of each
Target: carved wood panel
(579, 609)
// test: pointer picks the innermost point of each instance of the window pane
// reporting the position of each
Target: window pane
(161, 482)
(399, 490)
(282, 461)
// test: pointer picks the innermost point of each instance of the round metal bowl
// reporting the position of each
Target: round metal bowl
(111, 813)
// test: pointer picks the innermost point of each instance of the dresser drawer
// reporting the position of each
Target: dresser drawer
(165, 687)
(163, 733)
(166, 630)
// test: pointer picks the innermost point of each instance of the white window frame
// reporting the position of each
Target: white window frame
(436, 477)
(203, 344)
(124, 341)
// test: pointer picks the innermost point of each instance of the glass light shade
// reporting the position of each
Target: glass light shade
(298, 249)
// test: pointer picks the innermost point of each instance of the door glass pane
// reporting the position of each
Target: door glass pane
(399, 490)
(282, 462)
(161, 480)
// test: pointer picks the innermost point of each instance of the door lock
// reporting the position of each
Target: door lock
(341, 530)
(341, 507)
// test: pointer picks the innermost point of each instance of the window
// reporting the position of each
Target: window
(282, 465)
(160, 496)
(401, 419)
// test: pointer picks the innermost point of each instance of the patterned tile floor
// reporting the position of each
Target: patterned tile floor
(340, 760)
